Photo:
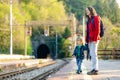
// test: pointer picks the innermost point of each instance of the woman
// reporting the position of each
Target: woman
(93, 37)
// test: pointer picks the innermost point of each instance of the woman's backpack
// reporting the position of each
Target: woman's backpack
(101, 27)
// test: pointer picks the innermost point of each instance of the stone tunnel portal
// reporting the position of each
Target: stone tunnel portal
(43, 51)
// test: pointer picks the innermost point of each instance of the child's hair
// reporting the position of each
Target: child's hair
(80, 39)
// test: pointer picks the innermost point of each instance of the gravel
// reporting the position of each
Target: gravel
(37, 72)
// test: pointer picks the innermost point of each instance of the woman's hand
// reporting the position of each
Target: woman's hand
(95, 42)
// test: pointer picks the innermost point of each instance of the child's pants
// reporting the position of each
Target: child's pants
(93, 53)
(79, 63)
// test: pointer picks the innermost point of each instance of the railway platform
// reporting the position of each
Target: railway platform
(108, 70)
(47, 69)
(11, 62)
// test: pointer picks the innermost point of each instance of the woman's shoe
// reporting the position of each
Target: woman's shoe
(93, 72)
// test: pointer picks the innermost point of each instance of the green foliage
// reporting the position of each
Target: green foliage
(25, 1)
(110, 14)
(43, 10)
(49, 9)
(27, 10)
(29, 48)
(116, 37)
(1, 70)
(63, 46)
(116, 30)
(4, 35)
(111, 37)
(78, 7)
(108, 8)
(67, 33)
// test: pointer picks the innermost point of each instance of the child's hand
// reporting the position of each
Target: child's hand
(73, 56)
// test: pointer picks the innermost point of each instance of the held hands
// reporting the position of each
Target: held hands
(73, 56)
(95, 42)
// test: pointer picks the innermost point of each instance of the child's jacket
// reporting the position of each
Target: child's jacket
(81, 51)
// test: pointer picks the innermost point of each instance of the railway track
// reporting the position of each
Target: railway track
(33, 73)
(47, 73)
(4, 76)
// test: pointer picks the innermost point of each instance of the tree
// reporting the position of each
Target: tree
(67, 33)
(4, 28)
(27, 10)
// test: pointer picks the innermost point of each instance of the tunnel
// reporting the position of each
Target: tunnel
(43, 51)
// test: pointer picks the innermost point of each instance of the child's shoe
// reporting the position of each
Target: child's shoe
(78, 72)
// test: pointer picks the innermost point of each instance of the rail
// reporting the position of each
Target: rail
(45, 75)
(40, 73)
(4, 76)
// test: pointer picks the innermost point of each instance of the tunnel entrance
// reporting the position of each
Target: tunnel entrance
(43, 51)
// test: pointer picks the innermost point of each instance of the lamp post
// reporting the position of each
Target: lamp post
(84, 27)
(11, 47)
(56, 56)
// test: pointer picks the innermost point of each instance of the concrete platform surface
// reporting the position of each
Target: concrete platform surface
(108, 70)
(9, 65)
(7, 57)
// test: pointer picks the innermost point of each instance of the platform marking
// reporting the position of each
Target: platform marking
(84, 69)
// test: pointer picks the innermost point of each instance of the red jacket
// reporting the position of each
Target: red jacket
(93, 29)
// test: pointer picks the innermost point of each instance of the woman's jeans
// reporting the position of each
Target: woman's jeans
(79, 63)
(93, 47)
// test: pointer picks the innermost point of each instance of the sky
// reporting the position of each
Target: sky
(118, 2)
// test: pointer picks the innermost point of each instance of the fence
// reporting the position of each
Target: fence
(109, 54)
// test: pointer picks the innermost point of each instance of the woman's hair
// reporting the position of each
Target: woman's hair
(92, 11)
